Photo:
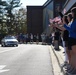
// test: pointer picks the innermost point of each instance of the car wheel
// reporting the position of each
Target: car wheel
(3, 45)
(16, 45)
(13, 45)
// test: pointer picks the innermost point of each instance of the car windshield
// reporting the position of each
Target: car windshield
(10, 37)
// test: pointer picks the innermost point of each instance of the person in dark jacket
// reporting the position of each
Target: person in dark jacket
(56, 38)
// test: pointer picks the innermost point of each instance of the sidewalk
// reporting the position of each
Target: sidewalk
(60, 60)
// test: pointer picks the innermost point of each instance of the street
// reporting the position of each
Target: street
(26, 59)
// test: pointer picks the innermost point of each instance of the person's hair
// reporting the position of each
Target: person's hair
(74, 11)
(65, 19)
(70, 16)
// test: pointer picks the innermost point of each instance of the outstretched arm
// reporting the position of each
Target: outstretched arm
(61, 28)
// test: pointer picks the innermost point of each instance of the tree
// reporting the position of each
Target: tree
(20, 20)
(3, 4)
(10, 17)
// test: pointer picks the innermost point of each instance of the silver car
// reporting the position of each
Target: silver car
(9, 41)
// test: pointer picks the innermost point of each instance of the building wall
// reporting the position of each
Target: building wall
(50, 11)
(70, 4)
(38, 16)
(58, 4)
(34, 19)
(47, 14)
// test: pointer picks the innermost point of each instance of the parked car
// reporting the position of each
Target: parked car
(9, 41)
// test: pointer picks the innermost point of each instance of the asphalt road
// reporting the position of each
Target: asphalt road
(25, 60)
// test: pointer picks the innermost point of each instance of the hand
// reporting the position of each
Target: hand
(63, 21)
(52, 24)
(56, 26)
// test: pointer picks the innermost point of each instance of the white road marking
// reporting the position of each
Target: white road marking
(2, 67)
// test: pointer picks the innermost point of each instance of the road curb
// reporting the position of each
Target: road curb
(58, 60)
(55, 66)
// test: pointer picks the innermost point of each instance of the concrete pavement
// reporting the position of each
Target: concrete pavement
(19, 58)
(60, 59)
(25, 60)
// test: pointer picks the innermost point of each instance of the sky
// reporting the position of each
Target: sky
(32, 2)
